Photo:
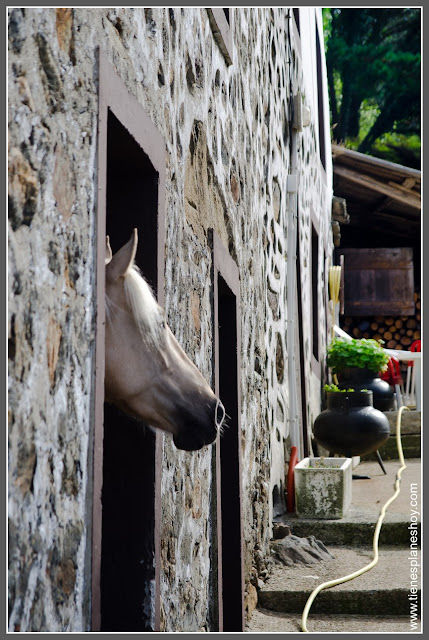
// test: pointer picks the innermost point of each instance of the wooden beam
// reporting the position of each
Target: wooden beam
(392, 220)
(404, 188)
(380, 187)
(390, 169)
(407, 184)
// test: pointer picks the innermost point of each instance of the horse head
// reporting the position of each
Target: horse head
(147, 373)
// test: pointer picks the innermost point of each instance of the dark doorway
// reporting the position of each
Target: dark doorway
(228, 564)
(230, 466)
(128, 492)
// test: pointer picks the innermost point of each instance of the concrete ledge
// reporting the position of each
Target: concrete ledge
(356, 531)
(411, 422)
(411, 448)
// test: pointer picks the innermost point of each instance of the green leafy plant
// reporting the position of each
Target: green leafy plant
(333, 387)
(364, 353)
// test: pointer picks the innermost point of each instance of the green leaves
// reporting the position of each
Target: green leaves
(373, 56)
(335, 389)
(364, 353)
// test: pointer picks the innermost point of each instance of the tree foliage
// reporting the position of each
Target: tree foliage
(373, 61)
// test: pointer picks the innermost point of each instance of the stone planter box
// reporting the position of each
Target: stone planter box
(323, 492)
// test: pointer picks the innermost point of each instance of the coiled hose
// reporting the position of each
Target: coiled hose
(351, 576)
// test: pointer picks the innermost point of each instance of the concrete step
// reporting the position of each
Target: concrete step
(352, 530)
(411, 422)
(265, 621)
(384, 590)
(411, 448)
(410, 436)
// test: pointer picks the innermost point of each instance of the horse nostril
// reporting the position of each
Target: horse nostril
(219, 422)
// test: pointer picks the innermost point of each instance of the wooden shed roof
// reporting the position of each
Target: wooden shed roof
(383, 200)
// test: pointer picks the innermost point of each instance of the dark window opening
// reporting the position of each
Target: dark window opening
(232, 597)
(128, 506)
(301, 349)
(315, 289)
(220, 20)
(296, 16)
(320, 101)
(132, 197)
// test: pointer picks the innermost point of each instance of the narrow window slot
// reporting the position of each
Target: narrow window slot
(315, 293)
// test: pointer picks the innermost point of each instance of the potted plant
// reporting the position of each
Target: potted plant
(358, 364)
(350, 425)
(323, 487)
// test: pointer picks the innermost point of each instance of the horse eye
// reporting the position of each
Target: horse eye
(162, 324)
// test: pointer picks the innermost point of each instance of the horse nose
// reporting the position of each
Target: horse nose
(198, 427)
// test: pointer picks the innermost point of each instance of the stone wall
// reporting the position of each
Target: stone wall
(229, 136)
(52, 136)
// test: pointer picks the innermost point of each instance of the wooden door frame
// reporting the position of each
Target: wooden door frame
(114, 96)
(224, 265)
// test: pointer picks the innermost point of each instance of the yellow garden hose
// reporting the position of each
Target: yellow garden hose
(334, 291)
(332, 583)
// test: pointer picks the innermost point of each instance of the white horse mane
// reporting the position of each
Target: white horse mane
(146, 311)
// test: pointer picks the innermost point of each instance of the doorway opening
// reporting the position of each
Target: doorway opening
(230, 577)
(128, 491)
(230, 466)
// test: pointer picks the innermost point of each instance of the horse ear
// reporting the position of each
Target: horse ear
(123, 259)
(108, 255)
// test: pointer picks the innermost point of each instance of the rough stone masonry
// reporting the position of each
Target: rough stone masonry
(228, 136)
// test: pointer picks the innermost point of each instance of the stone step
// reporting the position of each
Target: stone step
(411, 448)
(384, 590)
(353, 529)
(265, 621)
(410, 436)
(411, 422)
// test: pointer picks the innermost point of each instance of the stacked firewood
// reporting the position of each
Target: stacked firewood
(397, 332)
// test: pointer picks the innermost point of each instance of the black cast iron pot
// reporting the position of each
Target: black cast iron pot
(350, 425)
(358, 378)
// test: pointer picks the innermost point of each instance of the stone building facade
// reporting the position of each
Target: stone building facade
(238, 98)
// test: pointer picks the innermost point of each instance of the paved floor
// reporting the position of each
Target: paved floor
(264, 621)
(370, 495)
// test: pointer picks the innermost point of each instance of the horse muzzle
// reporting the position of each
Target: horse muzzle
(198, 429)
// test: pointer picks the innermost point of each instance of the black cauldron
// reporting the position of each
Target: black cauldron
(350, 425)
(358, 378)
